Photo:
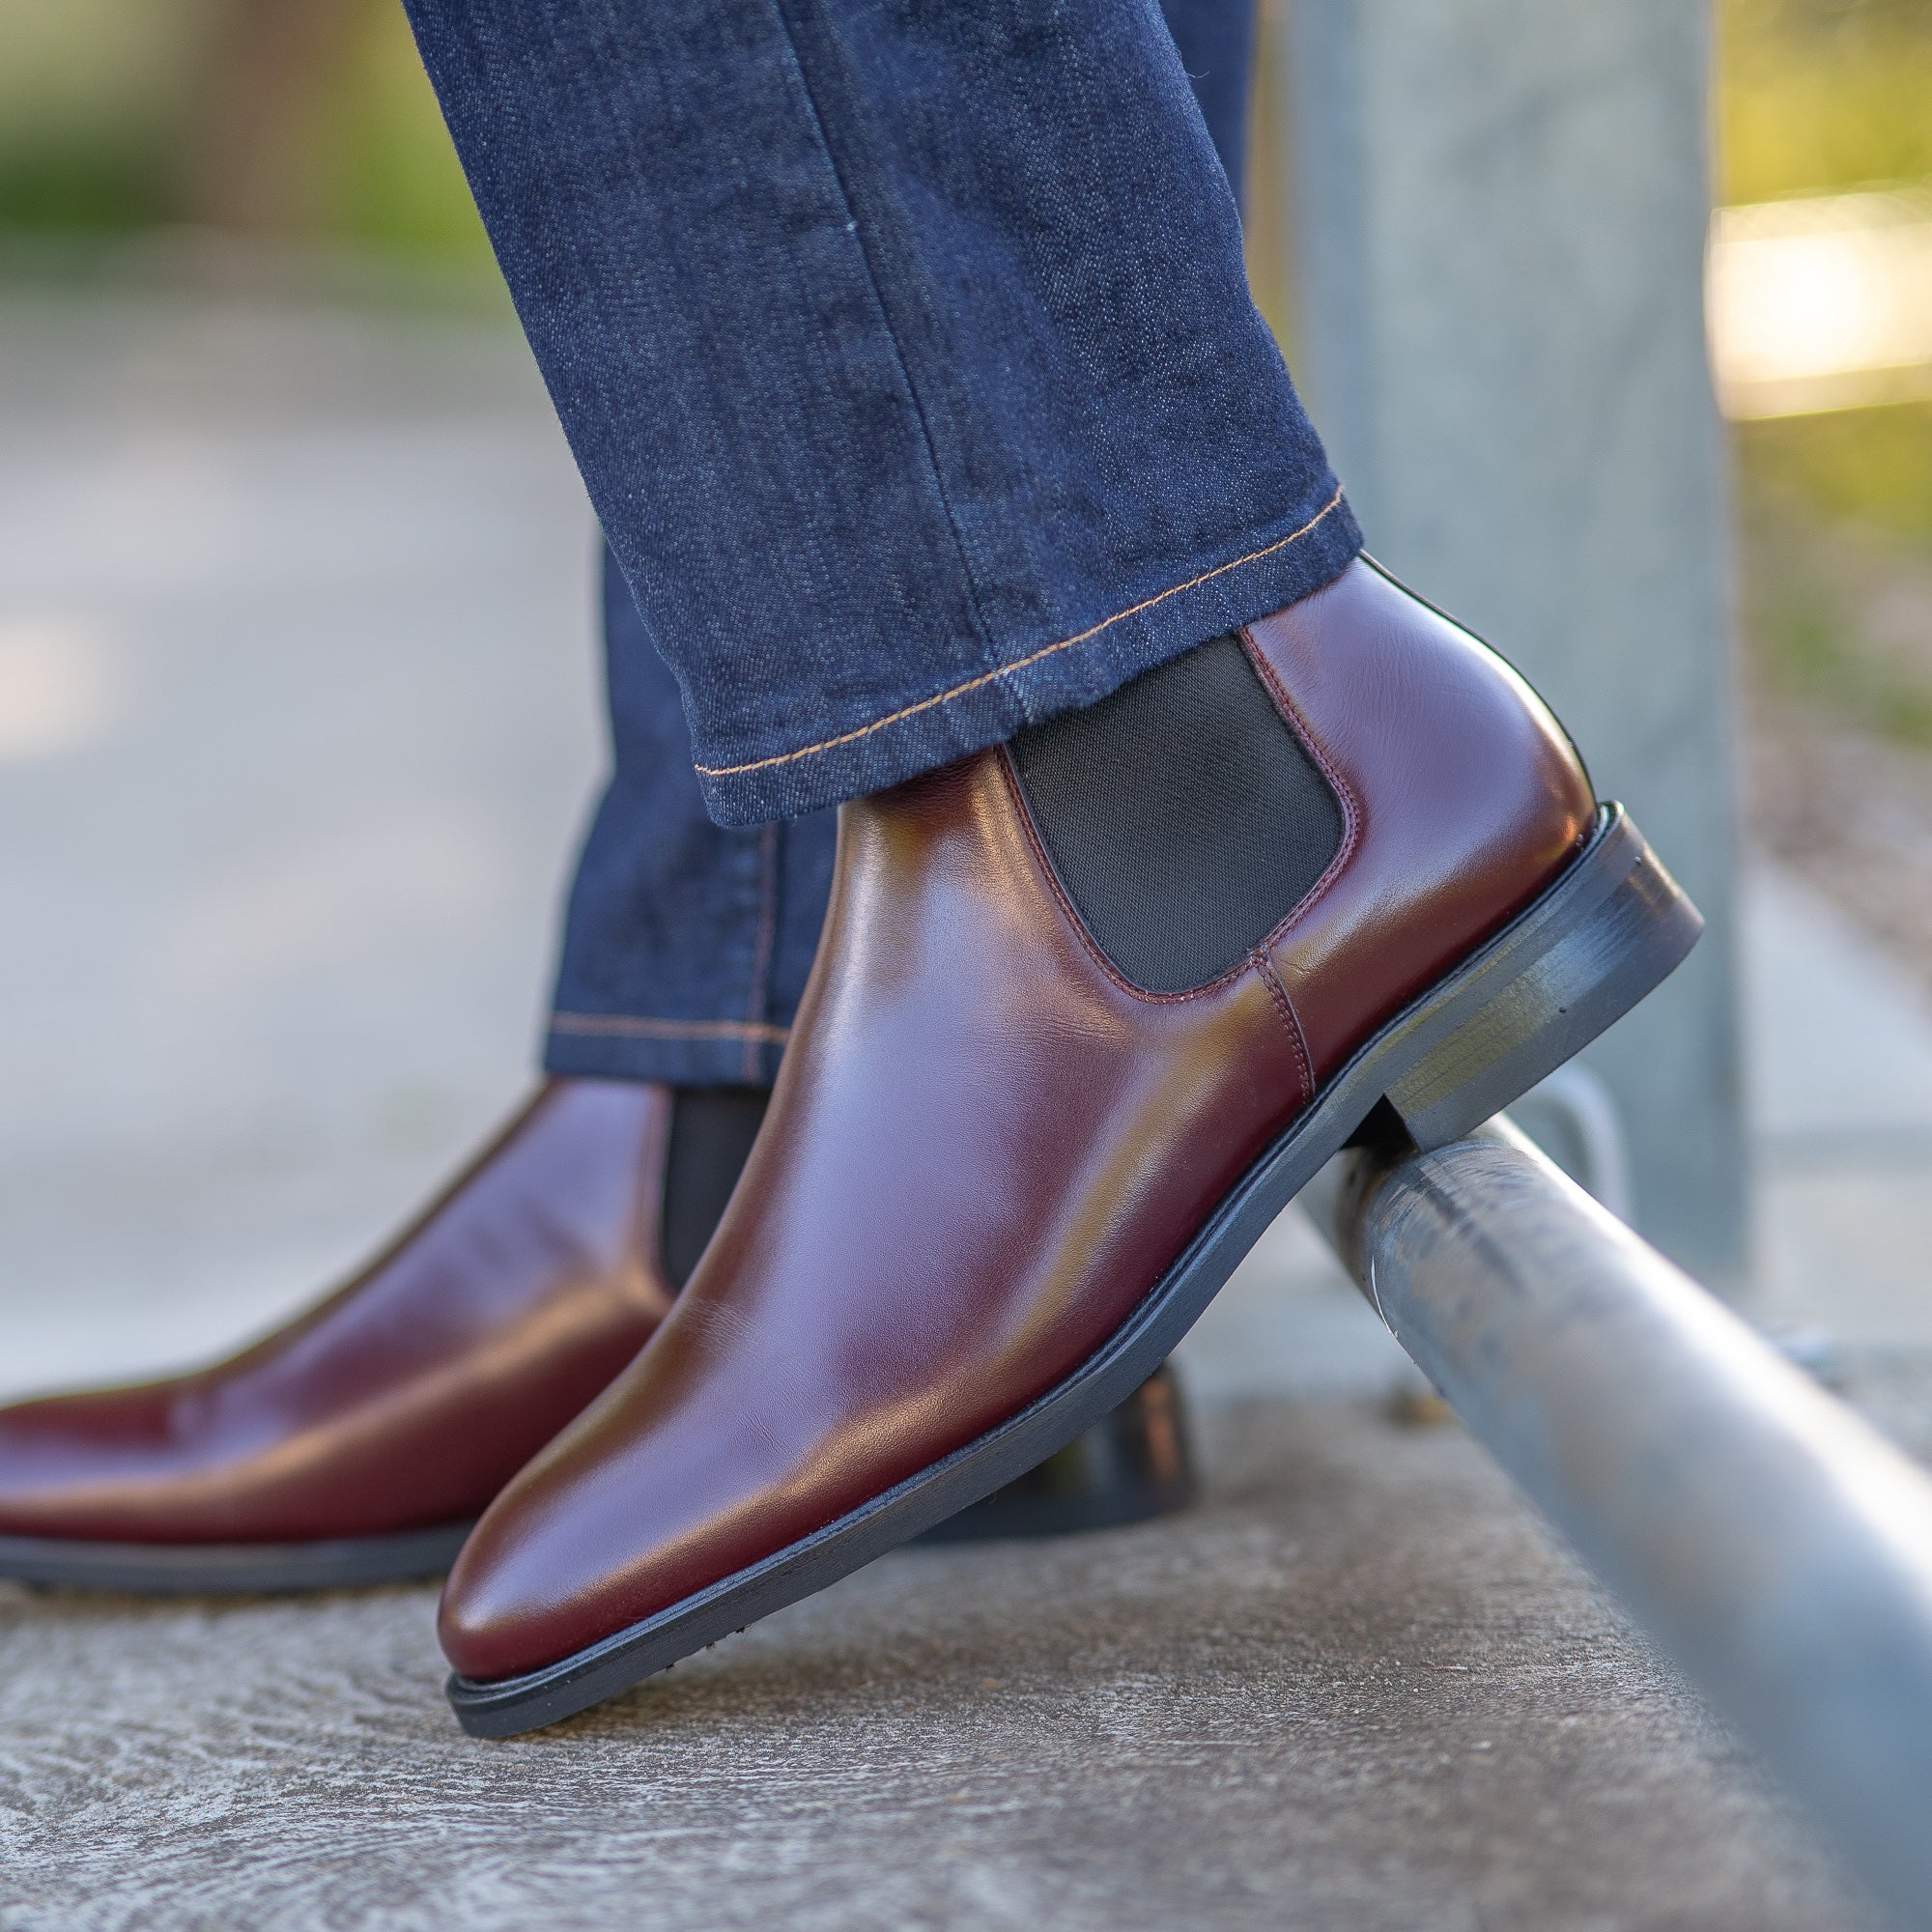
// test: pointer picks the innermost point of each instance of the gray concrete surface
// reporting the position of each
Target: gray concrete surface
(297, 722)
(1357, 1688)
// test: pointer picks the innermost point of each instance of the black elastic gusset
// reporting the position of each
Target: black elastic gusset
(712, 1129)
(1184, 817)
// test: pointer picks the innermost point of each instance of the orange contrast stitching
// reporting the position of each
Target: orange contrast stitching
(640, 1027)
(1022, 664)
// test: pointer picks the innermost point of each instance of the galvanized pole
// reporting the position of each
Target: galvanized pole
(1774, 1545)
(1498, 215)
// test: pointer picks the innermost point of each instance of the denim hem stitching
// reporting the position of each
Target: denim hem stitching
(1022, 664)
(643, 1027)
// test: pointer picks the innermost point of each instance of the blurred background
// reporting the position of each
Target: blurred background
(298, 686)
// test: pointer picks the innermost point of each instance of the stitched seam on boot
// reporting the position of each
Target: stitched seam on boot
(1284, 1007)
(1344, 793)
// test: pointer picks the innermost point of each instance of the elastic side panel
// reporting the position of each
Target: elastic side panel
(712, 1129)
(1183, 816)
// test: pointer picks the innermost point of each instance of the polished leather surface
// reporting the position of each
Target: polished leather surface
(407, 1398)
(1460, 797)
(984, 1146)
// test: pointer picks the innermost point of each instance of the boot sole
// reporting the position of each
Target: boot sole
(241, 1569)
(1587, 950)
(1133, 1464)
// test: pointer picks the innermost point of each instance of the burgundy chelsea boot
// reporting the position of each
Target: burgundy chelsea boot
(1046, 1087)
(358, 1443)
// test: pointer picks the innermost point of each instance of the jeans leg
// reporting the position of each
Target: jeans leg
(905, 348)
(1216, 42)
(685, 945)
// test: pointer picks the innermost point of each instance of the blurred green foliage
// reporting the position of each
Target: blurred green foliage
(1835, 546)
(306, 119)
(83, 110)
(312, 117)
(394, 178)
(1865, 469)
(1822, 93)
(1834, 509)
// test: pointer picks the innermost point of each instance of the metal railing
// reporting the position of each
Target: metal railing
(1774, 1545)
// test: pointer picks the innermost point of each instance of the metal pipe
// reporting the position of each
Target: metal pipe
(1774, 1543)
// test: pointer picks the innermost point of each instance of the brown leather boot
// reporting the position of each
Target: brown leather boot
(999, 1178)
(358, 1443)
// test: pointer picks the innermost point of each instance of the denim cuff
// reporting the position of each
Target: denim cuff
(1002, 427)
(1278, 567)
(685, 945)
(679, 1053)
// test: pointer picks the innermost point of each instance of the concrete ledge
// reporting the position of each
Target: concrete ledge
(1357, 1688)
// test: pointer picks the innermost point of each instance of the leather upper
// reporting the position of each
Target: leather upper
(986, 1147)
(1460, 799)
(407, 1398)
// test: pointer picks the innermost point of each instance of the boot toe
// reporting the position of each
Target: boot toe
(503, 1607)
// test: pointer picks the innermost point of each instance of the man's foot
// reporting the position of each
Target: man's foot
(1088, 1012)
(359, 1442)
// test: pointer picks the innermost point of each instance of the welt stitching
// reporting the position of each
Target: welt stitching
(1352, 820)
(1022, 664)
(1079, 924)
(1285, 1007)
(647, 1028)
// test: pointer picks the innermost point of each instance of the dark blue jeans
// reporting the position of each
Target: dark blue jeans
(907, 355)
(685, 944)
(906, 351)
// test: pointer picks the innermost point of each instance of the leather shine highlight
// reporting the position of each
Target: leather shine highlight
(1462, 796)
(984, 1146)
(407, 1398)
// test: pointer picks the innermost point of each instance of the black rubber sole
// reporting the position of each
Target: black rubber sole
(1133, 1463)
(1590, 947)
(192, 1569)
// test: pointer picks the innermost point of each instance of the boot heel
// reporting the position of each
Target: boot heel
(1607, 932)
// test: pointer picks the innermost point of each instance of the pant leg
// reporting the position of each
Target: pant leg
(685, 945)
(906, 351)
(1216, 42)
